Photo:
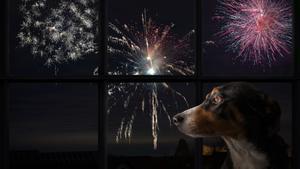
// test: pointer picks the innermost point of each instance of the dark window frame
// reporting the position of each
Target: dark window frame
(199, 79)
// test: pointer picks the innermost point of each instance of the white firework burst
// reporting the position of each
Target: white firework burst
(149, 48)
(59, 31)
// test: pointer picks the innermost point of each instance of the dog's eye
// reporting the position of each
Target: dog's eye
(207, 96)
(217, 99)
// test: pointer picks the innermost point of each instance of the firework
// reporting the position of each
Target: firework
(259, 31)
(59, 31)
(147, 48)
(67, 31)
(138, 99)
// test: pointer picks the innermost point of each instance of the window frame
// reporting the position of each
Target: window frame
(103, 78)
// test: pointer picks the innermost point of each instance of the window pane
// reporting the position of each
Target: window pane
(214, 148)
(53, 38)
(53, 125)
(251, 39)
(140, 133)
(151, 37)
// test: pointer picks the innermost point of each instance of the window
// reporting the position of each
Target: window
(95, 83)
(53, 124)
(53, 38)
(153, 38)
(140, 132)
(234, 38)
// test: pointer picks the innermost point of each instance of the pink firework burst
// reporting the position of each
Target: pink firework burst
(259, 31)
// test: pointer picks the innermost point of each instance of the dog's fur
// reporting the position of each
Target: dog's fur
(247, 120)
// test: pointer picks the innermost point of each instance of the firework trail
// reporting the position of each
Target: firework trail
(59, 31)
(148, 99)
(147, 48)
(259, 31)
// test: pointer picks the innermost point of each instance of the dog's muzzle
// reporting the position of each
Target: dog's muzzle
(177, 119)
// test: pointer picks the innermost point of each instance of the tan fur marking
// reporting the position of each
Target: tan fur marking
(205, 122)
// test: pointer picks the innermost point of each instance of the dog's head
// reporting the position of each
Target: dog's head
(232, 110)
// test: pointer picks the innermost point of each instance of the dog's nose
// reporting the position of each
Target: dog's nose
(177, 119)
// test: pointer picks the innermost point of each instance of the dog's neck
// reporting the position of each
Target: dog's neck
(244, 155)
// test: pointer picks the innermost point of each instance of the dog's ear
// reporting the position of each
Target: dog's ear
(272, 113)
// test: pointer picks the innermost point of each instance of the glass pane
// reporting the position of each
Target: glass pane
(140, 133)
(215, 150)
(53, 38)
(53, 125)
(251, 39)
(151, 37)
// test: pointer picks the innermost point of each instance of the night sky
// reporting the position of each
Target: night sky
(181, 13)
(53, 117)
(23, 63)
(217, 60)
(168, 136)
(63, 117)
(163, 13)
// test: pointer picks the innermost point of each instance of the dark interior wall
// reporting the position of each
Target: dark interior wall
(3, 152)
(3, 37)
(296, 129)
(297, 34)
(3, 128)
(296, 102)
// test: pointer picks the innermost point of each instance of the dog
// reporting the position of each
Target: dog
(248, 121)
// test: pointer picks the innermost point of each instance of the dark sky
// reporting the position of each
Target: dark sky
(162, 12)
(23, 63)
(63, 117)
(182, 13)
(217, 60)
(168, 136)
(53, 117)
(179, 12)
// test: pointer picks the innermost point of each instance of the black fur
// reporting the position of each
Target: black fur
(262, 117)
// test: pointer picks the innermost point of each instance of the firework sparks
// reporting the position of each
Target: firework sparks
(149, 49)
(146, 48)
(68, 32)
(59, 32)
(148, 99)
(259, 31)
